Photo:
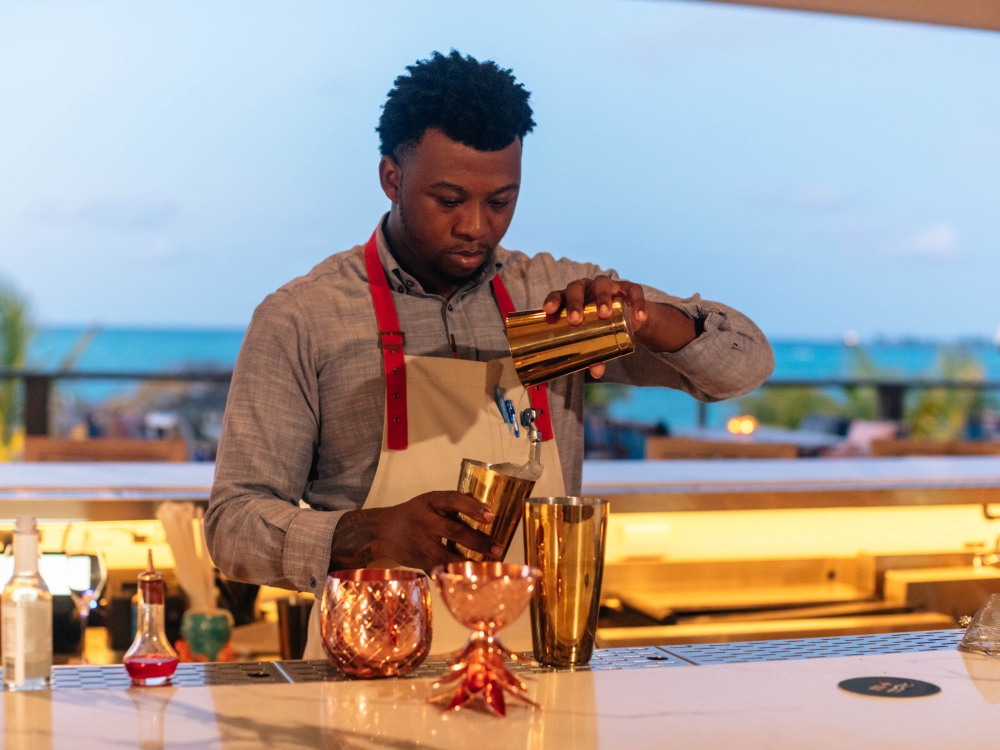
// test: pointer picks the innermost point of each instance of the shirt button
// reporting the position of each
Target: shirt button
(450, 308)
(401, 290)
(409, 283)
(312, 581)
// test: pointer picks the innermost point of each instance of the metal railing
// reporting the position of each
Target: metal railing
(38, 387)
(890, 394)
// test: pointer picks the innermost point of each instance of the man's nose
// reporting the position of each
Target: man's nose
(471, 225)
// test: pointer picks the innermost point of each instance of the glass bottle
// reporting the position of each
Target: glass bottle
(26, 607)
(150, 660)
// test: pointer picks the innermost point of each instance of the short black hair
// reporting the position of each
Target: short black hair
(475, 103)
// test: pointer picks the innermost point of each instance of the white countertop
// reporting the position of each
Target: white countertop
(106, 481)
(775, 705)
(193, 480)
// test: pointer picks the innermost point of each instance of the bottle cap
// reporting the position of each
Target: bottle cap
(151, 583)
(26, 525)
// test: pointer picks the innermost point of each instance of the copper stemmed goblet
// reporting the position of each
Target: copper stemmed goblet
(376, 622)
(484, 597)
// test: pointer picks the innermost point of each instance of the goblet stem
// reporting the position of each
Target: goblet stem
(483, 676)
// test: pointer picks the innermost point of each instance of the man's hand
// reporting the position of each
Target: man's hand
(410, 533)
(658, 327)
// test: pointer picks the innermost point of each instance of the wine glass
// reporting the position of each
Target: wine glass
(86, 577)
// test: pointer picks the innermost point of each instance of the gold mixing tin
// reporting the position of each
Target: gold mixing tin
(564, 538)
(503, 494)
(546, 347)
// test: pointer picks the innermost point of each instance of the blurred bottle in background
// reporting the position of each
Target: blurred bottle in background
(26, 608)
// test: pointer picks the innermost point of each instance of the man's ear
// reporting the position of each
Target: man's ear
(390, 176)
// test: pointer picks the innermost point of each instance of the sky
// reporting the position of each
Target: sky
(169, 164)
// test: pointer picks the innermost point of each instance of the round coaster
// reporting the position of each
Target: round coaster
(889, 687)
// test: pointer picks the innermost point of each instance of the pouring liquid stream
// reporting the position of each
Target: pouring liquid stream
(531, 470)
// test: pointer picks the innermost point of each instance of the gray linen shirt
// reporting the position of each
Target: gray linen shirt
(305, 410)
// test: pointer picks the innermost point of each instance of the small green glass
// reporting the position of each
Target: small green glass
(207, 633)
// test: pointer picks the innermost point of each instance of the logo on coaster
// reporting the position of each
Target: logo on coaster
(889, 687)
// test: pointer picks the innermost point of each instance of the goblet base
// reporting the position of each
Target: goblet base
(483, 678)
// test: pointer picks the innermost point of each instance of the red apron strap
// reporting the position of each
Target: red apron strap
(391, 342)
(538, 395)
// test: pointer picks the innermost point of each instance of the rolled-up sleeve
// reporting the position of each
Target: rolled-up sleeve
(256, 530)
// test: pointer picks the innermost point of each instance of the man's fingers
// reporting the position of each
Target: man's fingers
(601, 294)
(600, 291)
(437, 554)
(553, 303)
(458, 532)
(576, 295)
(637, 301)
(444, 503)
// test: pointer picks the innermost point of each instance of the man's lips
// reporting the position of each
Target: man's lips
(469, 257)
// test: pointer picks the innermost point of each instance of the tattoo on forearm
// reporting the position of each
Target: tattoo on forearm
(353, 539)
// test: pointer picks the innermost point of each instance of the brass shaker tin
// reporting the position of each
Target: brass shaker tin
(564, 538)
(502, 494)
(546, 347)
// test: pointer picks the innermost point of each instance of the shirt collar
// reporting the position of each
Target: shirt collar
(404, 283)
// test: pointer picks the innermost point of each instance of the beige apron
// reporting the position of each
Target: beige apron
(452, 414)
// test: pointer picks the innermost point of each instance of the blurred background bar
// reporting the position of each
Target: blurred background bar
(971, 14)
(829, 175)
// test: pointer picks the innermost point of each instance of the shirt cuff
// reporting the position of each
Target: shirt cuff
(308, 545)
(699, 359)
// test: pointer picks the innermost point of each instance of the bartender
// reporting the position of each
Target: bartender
(362, 385)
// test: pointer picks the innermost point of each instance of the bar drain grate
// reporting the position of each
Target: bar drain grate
(638, 657)
(816, 648)
(634, 657)
(187, 675)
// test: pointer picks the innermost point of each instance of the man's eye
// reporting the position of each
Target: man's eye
(499, 204)
(449, 203)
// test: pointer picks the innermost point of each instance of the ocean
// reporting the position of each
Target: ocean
(165, 350)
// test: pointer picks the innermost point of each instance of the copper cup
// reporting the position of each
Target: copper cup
(485, 596)
(376, 622)
(503, 494)
(545, 347)
(564, 538)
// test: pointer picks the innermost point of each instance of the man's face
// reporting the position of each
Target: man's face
(454, 203)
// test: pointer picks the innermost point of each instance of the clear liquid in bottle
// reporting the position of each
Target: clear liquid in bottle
(26, 616)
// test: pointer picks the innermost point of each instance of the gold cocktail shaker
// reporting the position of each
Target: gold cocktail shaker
(564, 538)
(502, 493)
(545, 347)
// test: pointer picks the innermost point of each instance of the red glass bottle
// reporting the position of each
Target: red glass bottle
(150, 660)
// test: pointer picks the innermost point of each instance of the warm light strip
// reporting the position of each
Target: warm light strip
(797, 534)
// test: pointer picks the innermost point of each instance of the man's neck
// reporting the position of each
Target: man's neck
(396, 239)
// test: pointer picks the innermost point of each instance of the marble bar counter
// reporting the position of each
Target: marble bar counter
(760, 695)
